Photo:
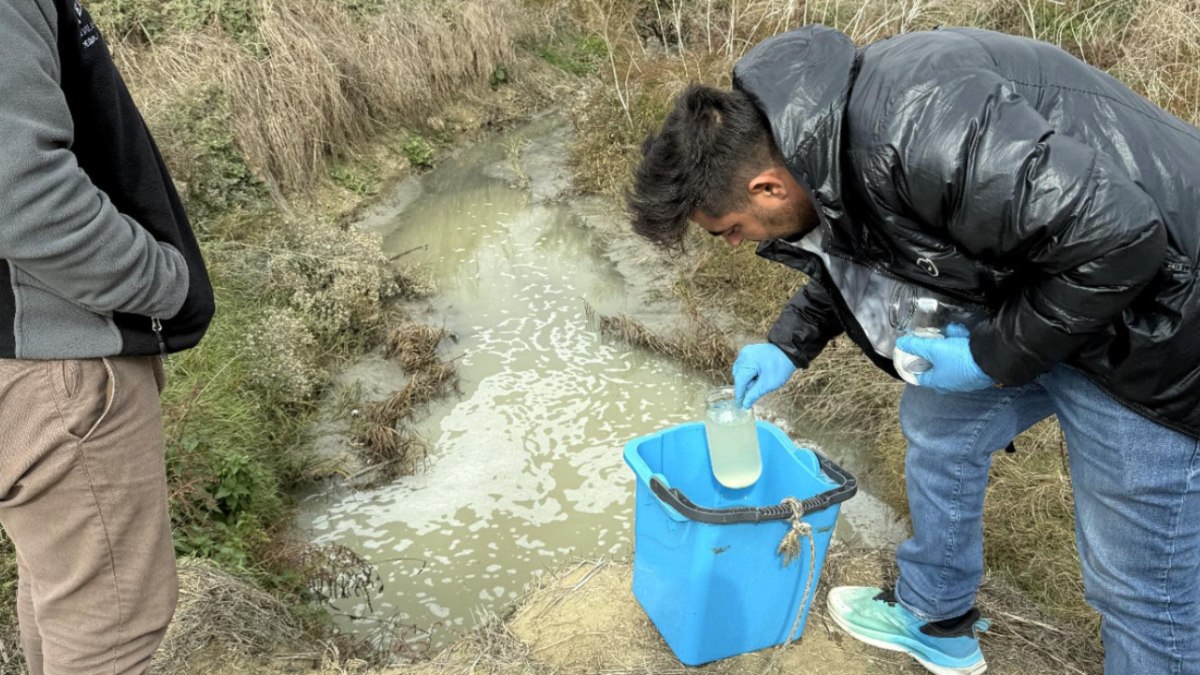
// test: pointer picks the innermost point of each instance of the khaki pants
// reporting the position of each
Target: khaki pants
(83, 496)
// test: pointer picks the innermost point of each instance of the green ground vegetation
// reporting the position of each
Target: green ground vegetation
(656, 47)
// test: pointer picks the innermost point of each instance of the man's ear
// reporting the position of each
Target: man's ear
(769, 186)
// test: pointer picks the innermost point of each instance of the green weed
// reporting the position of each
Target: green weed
(197, 141)
(364, 9)
(360, 177)
(499, 76)
(147, 21)
(419, 152)
(230, 448)
(582, 56)
(9, 638)
(141, 21)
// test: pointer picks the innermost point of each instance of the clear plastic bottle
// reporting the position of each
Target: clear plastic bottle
(732, 440)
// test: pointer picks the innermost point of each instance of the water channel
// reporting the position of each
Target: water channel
(526, 472)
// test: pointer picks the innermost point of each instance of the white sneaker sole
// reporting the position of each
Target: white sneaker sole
(934, 668)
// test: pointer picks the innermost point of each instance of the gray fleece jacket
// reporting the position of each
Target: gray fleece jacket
(96, 254)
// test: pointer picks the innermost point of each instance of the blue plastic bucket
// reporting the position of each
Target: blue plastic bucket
(709, 576)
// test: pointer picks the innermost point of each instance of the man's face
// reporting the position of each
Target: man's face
(777, 208)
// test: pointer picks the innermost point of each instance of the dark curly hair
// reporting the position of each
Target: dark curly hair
(711, 143)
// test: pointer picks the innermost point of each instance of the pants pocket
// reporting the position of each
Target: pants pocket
(87, 389)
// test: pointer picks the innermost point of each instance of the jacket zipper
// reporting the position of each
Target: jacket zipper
(156, 326)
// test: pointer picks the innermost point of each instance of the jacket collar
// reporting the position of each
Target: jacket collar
(801, 82)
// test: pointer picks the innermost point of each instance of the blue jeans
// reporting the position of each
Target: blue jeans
(1137, 511)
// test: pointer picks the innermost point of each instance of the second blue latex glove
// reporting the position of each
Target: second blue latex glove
(759, 370)
(954, 369)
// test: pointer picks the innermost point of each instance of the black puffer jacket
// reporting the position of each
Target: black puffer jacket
(1002, 171)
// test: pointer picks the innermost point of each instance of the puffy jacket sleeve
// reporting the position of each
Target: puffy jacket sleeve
(55, 224)
(808, 322)
(981, 167)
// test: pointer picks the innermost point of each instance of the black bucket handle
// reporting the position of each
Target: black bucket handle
(846, 488)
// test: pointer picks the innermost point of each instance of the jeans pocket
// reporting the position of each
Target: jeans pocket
(88, 389)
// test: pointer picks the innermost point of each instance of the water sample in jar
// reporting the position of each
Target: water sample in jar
(732, 440)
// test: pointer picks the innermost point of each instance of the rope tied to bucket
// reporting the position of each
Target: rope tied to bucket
(789, 549)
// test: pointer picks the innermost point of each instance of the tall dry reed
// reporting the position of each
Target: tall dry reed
(1161, 55)
(321, 80)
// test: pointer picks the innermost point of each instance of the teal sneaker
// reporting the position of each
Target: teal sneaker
(944, 647)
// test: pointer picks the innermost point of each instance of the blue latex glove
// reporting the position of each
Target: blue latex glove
(759, 370)
(954, 369)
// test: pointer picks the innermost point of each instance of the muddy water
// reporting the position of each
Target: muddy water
(526, 472)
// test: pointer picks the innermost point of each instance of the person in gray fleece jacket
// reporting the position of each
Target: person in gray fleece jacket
(100, 278)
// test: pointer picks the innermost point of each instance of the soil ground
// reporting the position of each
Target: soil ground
(584, 620)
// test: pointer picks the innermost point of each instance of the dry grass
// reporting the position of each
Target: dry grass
(843, 393)
(1023, 637)
(1161, 56)
(656, 48)
(219, 610)
(749, 287)
(333, 571)
(700, 345)
(490, 648)
(414, 345)
(391, 447)
(322, 81)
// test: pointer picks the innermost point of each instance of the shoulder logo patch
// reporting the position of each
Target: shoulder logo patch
(88, 35)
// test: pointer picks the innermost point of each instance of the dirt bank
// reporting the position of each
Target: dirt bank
(584, 620)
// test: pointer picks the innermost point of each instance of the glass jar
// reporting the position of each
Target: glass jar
(918, 311)
(732, 439)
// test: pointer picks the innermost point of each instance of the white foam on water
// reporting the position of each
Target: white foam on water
(526, 470)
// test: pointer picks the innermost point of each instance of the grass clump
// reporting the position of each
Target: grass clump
(322, 77)
(414, 345)
(579, 56)
(217, 608)
(700, 345)
(211, 175)
(361, 177)
(335, 277)
(419, 152)
(388, 441)
(144, 22)
(390, 445)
